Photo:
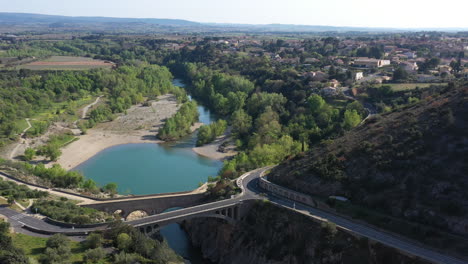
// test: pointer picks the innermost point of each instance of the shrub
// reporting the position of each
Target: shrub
(94, 255)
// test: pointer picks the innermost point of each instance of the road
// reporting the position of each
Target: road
(18, 220)
(251, 191)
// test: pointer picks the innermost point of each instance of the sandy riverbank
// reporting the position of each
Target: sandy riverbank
(139, 125)
(211, 150)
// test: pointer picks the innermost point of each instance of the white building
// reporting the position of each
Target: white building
(358, 76)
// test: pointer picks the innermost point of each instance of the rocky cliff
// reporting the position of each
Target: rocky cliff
(273, 235)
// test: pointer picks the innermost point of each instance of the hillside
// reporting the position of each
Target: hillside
(410, 163)
(274, 235)
(24, 18)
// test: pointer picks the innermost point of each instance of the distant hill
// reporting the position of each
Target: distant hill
(24, 18)
(410, 163)
(11, 22)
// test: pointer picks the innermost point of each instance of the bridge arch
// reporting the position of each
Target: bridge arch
(136, 214)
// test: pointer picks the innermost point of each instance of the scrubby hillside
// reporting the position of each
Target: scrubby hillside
(411, 163)
(274, 235)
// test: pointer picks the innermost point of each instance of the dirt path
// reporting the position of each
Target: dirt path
(22, 141)
(86, 108)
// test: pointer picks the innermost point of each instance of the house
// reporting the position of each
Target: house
(311, 60)
(370, 63)
(317, 76)
(334, 83)
(445, 68)
(465, 73)
(329, 91)
(410, 55)
(358, 76)
(409, 66)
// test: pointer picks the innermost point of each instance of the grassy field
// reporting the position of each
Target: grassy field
(410, 86)
(3, 201)
(66, 63)
(23, 202)
(35, 246)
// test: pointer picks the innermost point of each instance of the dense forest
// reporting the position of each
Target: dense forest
(36, 92)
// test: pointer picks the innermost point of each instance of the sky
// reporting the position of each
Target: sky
(365, 13)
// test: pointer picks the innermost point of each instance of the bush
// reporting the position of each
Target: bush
(69, 212)
(58, 240)
(94, 255)
(208, 133)
(94, 240)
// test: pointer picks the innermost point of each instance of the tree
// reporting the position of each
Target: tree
(90, 185)
(241, 123)
(316, 103)
(57, 249)
(13, 256)
(94, 255)
(51, 151)
(57, 240)
(124, 241)
(10, 200)
(124, 258)
(111, 188)
(400, 74)
(29, 154)
(94, 240)
(351, 119)
(56, 255)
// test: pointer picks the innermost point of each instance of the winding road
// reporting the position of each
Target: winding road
(251, 191)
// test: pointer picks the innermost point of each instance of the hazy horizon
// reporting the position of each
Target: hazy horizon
(360, 13)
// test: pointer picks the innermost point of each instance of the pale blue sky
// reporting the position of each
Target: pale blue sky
(368, 13)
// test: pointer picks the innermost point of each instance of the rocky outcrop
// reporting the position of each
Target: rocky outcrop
(273, 235)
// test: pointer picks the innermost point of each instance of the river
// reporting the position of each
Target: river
(157, 168)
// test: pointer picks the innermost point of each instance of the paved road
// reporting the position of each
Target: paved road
(251, 191)
(18, 220)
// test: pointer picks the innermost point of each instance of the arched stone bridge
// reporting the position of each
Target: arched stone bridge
(150, 204)
(230, 211)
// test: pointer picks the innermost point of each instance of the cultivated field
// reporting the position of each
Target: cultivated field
(66, 63)
(410, 86)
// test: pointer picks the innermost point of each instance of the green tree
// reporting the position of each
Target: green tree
(400, 74)
(94, 240)
(94, 255)
(29, 154)
(57, 240)
(316, 103)
(241, 123)
(124, 242)
(351, 119)
(111, 188)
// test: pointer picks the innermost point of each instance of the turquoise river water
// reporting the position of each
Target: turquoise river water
(156, 168)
